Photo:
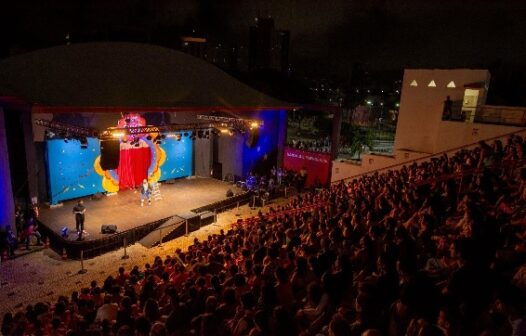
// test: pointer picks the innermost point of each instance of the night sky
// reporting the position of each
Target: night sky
(330, 35)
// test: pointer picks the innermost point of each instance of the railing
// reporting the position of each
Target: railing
(488, 114)
(428, 157)
(97, 246)
(502, 115)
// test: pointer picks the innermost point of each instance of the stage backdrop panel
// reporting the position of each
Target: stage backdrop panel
(316, 164)
(70, 169)
(178, 158)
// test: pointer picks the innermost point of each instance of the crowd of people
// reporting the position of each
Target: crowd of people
(26, 227)
(318, 145)
(436, 248)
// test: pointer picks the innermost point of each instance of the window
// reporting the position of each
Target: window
(432, 84)
(451, 85)
(413, 83)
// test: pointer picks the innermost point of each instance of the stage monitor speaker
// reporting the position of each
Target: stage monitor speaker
(253, 138)
(109, 154)
(108, 228)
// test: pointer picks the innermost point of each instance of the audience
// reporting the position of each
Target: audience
(431, 249)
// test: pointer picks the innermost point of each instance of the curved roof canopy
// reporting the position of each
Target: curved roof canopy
(101, 75)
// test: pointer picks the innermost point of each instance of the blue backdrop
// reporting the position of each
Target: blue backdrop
(178, 158)
(267, 144)
(71, 173)
(70, 169)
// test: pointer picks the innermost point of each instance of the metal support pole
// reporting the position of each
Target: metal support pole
(160, 238)
(82, 269)
(125, 243)
(237, 210)
(215, 216)
(186, 227)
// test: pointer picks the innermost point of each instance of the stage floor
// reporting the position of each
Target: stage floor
(124, 208)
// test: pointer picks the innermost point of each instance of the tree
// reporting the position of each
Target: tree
(355, 138)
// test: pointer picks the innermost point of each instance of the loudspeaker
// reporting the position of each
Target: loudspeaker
(108, 228)
(253, 138)
(217, 170)
(229, 193)
(109, 154)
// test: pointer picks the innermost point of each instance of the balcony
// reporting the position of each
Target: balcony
(488, 114)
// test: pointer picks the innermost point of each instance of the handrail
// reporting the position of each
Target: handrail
(427, 157)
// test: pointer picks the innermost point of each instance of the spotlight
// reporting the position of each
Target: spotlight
(149, 137)
(64, 232)
(185, 134)
(83, 142)
(200, 134)
(49, 134)
(117, 134)
(137, 144)
(178, 136)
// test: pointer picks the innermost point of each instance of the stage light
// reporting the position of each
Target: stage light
(117, 134)
(64, 232)
(200, 134)
(254, 124)
(83, 143)
(185, 134)
(149, 137)
(178, 137)
(49, 134)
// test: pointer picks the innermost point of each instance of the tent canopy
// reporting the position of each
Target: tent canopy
(124, 75)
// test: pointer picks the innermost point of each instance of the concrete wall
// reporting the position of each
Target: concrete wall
(421, 106)
(451, 135)
(343, 169)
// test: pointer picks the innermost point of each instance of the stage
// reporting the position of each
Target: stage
(124, 208)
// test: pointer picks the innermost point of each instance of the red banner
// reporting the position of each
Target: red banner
(317, 165)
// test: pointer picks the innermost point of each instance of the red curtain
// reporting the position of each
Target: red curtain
(133, 167)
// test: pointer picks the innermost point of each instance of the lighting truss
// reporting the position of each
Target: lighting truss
(211, 122)
(236, 123)
(71, 130)
(144, 130)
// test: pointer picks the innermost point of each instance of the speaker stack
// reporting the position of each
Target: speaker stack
(109, 154)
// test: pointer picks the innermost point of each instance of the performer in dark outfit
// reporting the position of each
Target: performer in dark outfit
(79, 210)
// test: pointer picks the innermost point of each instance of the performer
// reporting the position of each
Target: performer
(79, 210)
(146, 190)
